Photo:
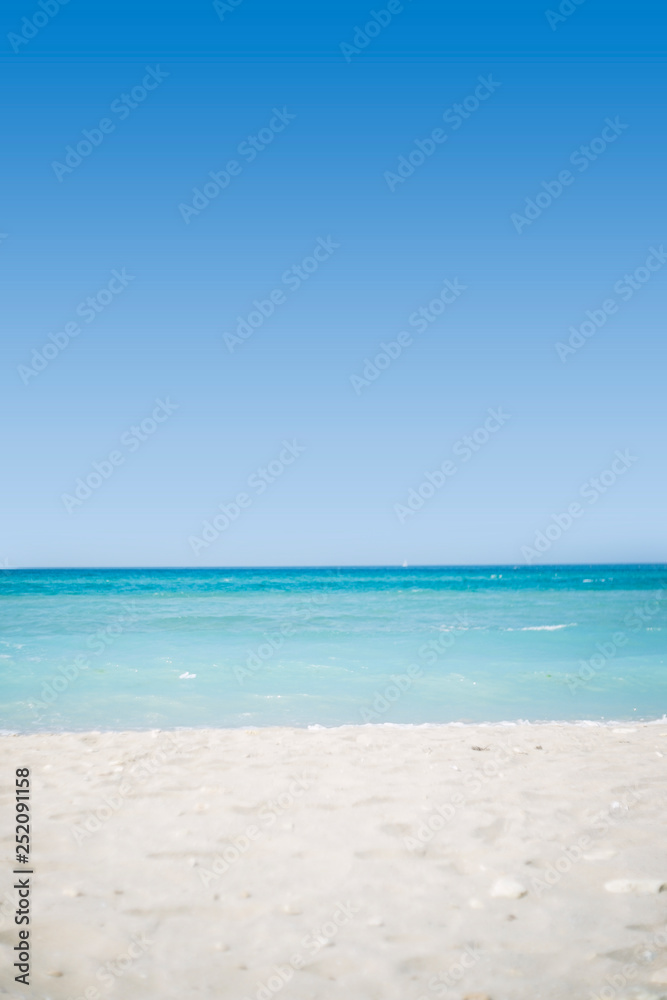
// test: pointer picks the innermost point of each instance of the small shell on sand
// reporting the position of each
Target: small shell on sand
(639, 886)
(508, 888)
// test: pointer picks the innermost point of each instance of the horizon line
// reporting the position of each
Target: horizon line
(332, 566)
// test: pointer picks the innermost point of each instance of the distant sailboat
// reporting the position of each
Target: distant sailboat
(405, 564)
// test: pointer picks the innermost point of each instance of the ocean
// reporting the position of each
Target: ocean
(167, 648)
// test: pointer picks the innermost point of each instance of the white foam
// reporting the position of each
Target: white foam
(540, 628)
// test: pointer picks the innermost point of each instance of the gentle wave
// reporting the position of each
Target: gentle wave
(540, 628)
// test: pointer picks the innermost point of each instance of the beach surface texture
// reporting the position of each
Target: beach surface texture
(393, 862)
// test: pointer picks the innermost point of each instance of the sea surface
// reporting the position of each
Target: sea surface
(149, 649)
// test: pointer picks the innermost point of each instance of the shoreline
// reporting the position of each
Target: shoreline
(317, 727)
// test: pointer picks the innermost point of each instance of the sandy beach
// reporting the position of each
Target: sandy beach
(364, 862)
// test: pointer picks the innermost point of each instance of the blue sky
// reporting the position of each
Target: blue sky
(138, 277)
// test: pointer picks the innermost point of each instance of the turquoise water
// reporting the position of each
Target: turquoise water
(125, 649)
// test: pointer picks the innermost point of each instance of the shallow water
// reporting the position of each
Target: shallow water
(125, 649)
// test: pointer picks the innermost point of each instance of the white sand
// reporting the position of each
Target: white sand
(323, 880)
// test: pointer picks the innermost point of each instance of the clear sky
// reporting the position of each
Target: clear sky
(363, 161)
